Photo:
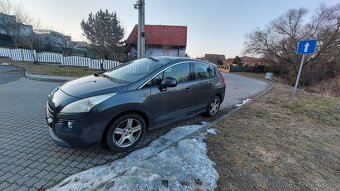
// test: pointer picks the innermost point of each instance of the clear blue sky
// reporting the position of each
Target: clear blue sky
(214, 26)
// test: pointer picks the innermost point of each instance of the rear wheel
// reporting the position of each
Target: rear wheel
(125, 132)
(214, 106)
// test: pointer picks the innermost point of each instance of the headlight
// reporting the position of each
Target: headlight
(84, 105)
(54, 90)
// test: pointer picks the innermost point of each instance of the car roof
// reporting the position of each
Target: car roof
(170, 58)
(173, 59)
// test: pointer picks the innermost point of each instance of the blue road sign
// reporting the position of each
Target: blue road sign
(306, 47)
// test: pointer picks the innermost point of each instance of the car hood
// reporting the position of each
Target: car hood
(91, 86)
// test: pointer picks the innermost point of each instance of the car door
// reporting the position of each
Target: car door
(202, 89)
(172, 103)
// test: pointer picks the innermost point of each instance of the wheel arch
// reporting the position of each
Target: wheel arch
(134, 111)
(220, 96)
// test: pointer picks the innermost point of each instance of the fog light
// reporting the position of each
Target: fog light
(70, 124)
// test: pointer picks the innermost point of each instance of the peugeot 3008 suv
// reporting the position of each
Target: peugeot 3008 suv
(117, 107)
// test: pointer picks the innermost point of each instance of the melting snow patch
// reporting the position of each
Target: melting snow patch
(163, 165)
(212, 131)
(243, 102)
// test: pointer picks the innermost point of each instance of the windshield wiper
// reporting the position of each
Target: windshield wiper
(110, 78)
(98, 74)
(107, 76)
(152, 58)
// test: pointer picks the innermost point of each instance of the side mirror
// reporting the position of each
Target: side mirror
(168, 82)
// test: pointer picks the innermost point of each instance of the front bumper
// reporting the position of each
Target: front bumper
(75, 130)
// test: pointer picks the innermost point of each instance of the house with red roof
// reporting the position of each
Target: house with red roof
(160, 40)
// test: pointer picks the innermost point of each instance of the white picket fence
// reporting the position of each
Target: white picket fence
(16, 54)
(76, 61)
(107, 64)
(4, 52)
(48, 57)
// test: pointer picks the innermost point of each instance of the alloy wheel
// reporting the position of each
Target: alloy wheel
(127, 132)
(214, 106)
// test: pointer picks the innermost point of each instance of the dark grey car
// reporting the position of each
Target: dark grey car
(117, 107)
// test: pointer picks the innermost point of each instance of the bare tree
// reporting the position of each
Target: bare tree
(278, 41)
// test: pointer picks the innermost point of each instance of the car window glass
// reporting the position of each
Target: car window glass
(203, 71)
(148, 84)
(213, 71)
(180, 72)
(135, 70)
(158, 79)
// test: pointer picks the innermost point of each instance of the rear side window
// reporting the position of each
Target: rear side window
(181, 72)
(203, 71)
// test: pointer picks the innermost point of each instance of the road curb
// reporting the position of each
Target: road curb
(48, 78)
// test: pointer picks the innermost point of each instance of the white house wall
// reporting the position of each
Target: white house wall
(162, 52)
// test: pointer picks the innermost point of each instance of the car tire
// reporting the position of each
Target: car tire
(125, 132)
(214, 106)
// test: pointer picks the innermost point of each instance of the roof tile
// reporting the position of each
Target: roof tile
(164, 35)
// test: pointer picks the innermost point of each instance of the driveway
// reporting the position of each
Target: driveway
(28, 157)
(10, 73)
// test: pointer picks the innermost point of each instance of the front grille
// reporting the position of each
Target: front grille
(49, 111)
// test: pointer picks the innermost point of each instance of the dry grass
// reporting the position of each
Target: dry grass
(277, 144)
(330, 87)
(260, 76)
(51, 69)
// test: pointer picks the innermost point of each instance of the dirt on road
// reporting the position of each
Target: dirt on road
(279, 144)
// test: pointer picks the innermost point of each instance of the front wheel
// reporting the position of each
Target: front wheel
(214, 106)
(125, 132)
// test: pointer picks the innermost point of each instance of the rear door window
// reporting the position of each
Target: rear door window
(203, 71)
(181, 72)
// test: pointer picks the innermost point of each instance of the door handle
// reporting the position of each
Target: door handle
(210, 85)
(187, 89)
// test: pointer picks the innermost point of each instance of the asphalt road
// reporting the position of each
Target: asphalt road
(10, 73)
(28, 157)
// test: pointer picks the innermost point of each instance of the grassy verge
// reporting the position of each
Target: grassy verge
(51, 69)
(277, 144)
(260, 76)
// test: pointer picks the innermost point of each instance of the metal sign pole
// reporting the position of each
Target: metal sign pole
(298, 77)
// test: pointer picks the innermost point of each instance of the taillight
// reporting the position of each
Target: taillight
(224, 81)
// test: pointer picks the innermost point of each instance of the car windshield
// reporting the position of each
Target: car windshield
(136, 70)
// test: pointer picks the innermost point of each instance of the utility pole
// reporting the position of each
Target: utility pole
(140, 5)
